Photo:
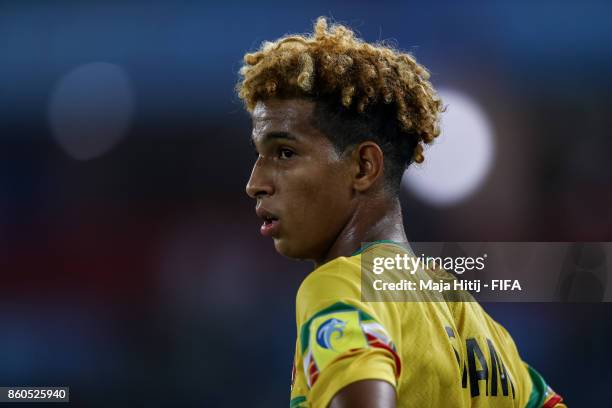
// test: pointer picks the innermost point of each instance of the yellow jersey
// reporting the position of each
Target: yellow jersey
(434, 353)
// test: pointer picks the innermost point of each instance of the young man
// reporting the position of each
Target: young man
(335, 123)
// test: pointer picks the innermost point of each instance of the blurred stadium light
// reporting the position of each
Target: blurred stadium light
(90, 109)
(458, 161)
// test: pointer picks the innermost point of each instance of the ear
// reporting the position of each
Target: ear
(368, 160)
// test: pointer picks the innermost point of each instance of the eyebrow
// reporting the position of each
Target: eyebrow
(275, 136)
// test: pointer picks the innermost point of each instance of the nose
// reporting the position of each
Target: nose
(259, 183)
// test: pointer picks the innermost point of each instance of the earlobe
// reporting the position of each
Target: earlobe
(370, 161)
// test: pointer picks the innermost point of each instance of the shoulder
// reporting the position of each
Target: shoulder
(329, 301)
(343, 342)
(338, 279)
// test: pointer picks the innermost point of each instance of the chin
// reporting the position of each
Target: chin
(289, 250)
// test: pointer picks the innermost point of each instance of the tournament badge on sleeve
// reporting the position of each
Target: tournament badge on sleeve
(336, 330)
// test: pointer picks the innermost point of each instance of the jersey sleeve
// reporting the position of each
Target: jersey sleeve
(342, 340)
(542, 396)
(533, 390)
(342, 344)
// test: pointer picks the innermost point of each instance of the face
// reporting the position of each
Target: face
(302, 186)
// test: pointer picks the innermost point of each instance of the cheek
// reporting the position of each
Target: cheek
(317, 204)
(320, 203)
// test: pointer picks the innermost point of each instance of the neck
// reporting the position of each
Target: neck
(368, 223)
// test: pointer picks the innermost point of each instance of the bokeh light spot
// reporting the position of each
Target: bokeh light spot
(458, 161)
(90, 109)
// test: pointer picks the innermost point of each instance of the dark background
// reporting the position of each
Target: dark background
(131, 266)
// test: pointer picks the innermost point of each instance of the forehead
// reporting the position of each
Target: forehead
(284, 115)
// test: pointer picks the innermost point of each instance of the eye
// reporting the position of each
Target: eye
(285, 153)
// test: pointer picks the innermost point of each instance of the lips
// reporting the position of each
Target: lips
(270, 224)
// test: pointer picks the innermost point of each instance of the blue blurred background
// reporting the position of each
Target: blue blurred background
(131, 264)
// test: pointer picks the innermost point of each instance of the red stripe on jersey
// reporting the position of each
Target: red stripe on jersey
(313, 372)
(375, 342)
(554, 400)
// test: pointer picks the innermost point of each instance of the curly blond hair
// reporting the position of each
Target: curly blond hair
(332, 61)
